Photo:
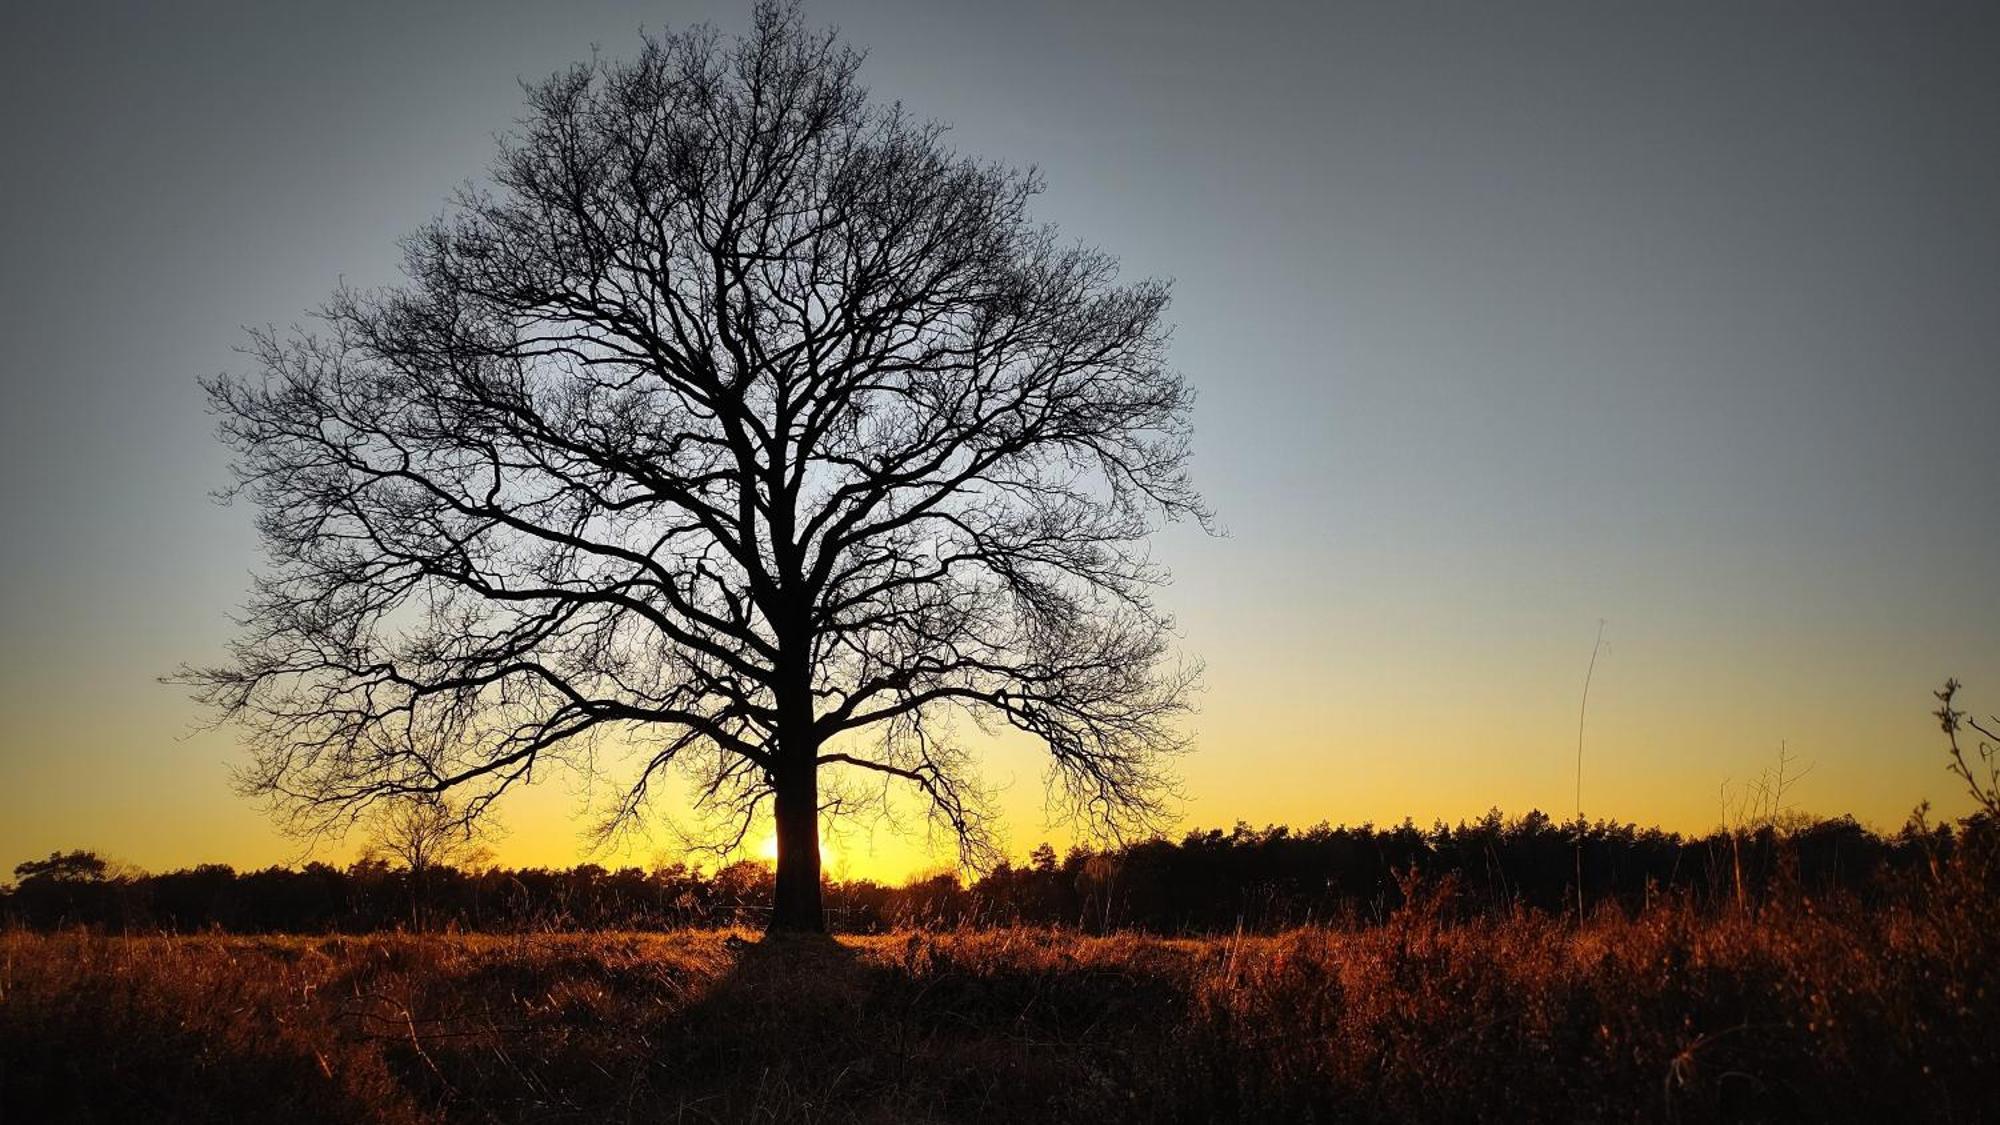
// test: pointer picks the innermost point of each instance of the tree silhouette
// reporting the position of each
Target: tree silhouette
(65, 867)
(740, 425)
(424, 831)
(1981, 781)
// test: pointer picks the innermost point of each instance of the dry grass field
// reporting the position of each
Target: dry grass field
(1803, 1013)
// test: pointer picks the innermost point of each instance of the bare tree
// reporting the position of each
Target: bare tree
(424, 831)
(741, 424)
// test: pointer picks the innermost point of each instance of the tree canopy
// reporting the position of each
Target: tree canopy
(738, 424)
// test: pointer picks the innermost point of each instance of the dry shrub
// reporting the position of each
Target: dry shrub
(1812, 1011)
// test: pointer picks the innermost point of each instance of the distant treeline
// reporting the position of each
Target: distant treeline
(1207, 882)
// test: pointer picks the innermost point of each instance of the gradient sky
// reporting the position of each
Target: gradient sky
(1505, 318)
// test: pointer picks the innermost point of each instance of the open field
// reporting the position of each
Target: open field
(1802, 1013)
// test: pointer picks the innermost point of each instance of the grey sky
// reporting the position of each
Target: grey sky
(1505, 317)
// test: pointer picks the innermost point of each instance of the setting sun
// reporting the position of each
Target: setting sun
(768, 851)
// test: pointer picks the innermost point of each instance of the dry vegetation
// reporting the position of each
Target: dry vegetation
(1803, 1012)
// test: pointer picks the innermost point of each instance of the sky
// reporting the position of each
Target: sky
(1506, 320)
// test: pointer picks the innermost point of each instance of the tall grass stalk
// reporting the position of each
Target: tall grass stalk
(1582, 710)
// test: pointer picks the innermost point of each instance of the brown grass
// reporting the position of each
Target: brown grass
(1807, 1015)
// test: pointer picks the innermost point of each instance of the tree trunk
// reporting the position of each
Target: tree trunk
(796, 906)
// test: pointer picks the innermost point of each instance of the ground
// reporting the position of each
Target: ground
(1669, 1016)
